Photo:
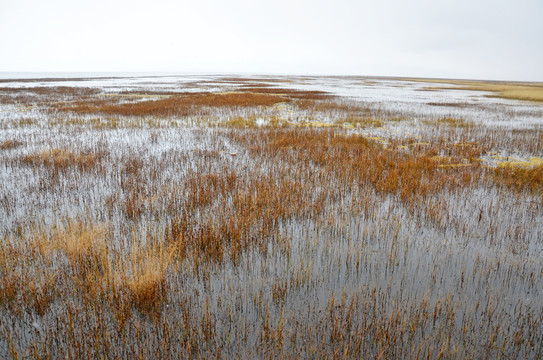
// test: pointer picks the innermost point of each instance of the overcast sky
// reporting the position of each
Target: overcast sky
(486, 39)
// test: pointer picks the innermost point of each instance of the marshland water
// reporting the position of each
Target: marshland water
(268, 216)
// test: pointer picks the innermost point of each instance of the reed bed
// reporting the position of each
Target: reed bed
(265, 224)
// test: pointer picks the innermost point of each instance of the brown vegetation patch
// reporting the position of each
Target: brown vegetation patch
(10, 144)
(259, 204)
(91, 267)
(448, 104)
(175, 106)
(451, 122)
(238, 80)
(291, 93)
(356, 159)
(521, 178)
(60, 159)
(152, 93)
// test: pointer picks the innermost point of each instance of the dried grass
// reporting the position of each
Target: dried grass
(507, 90)
(61, 159)
(320, 241)
(10, 144)
(174, 106)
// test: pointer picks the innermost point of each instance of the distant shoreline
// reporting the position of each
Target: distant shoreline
(6, 75)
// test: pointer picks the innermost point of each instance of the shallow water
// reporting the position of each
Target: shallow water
(478, 270)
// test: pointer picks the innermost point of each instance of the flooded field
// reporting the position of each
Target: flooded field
(269, 217)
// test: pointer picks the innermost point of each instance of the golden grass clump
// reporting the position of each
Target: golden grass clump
(521, 178)
(361, 121)
(137, 279)
(21, 285)
(450, 121)
(94, 271)
(142, 276)
(60, 159)
(239, 122)
(84, 245)
(10, 279)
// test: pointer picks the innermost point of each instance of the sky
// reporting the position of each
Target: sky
(468, 39)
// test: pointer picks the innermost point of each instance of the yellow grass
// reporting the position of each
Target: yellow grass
(507, 90)
(317, 124)
(144, 276)
(239, 122)
(78, 242)
(531, 162)
(453, 165)
(60, 159)
(420, 144)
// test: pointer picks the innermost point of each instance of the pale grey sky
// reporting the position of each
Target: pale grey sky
(485, 39)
